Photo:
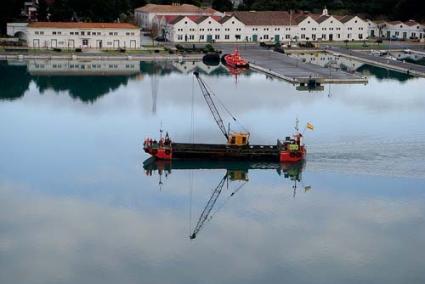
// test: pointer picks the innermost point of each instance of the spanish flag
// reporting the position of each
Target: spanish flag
(310, 126)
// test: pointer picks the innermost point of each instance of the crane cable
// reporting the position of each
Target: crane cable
(225, 108)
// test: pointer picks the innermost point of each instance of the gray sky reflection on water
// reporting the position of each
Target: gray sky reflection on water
(330, 234)
(76, 206)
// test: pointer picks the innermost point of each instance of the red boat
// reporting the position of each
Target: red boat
(235, 60)
(291, 149)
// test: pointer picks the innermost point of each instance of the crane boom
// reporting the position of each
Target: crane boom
(207, 96)
(207, 210)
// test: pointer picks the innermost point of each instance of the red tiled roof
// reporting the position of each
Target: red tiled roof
(267, 18)
(82, 25)
(411, 23)
(184, 8)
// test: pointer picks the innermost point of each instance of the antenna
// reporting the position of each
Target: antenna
(296, 124)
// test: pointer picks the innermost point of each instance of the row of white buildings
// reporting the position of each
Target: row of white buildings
(191, 24)
(264, 26)
(188, 23)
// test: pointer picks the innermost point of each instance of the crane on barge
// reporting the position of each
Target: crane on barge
(237, 147)
(233, 138)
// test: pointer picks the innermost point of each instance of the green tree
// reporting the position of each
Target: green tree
(222, 5)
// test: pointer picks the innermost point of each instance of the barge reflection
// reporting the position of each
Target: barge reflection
(236, 172)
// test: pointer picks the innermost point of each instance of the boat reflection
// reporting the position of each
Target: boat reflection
(236, 172)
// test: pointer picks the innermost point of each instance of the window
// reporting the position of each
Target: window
(82, 33)
(127, 33)
(303, 36)
(185, 22)
(54, 33)
(287, 36)
(266, 36)
(217, 37)
(85, 42)
(179, 37)
(233, 22)
(227, 37)
(209, 22)
(191, 37)
(115, 33)
(36, 32)
(88, 33)
(76, 33)
(201, 37)
(71, 33)
(360, 36)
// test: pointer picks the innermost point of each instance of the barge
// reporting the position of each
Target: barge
(290, 149)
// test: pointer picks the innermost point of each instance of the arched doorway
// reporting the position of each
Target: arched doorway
(21, 36)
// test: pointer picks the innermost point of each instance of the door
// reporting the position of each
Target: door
(209, 38)
(116, 43)
(185, 37)
(54, 43)
(372, 33)
(388, 34)
(254, 38)
(36, 43)
(132, 44)
(404, 35)
(331, 37)
(71, 43)
(276, 38)
(99, 44)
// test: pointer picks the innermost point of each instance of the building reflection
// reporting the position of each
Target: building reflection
(83, 68)
(350, 65)
(234, 172)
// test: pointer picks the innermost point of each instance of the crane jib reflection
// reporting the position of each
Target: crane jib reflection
(236, 172)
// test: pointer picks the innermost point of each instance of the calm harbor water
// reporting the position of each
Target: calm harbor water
(79, 205)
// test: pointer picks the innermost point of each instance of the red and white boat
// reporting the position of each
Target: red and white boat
(235, 60)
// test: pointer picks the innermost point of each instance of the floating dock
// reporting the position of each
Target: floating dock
(396, 65)
(293, 70)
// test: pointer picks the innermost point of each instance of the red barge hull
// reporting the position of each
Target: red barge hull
(273, 153)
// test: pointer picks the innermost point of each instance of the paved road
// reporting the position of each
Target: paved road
(288, 68)
(413, 69)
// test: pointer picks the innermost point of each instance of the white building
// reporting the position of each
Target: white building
(144, 16)
(71, 35)
(265, 26)
(396, 30)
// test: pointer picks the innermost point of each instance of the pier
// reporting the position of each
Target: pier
(290, 69)
(396, 65)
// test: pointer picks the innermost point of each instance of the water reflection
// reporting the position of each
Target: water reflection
(235, 173)
(89, 80)
(350, 65)
(14, 80)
